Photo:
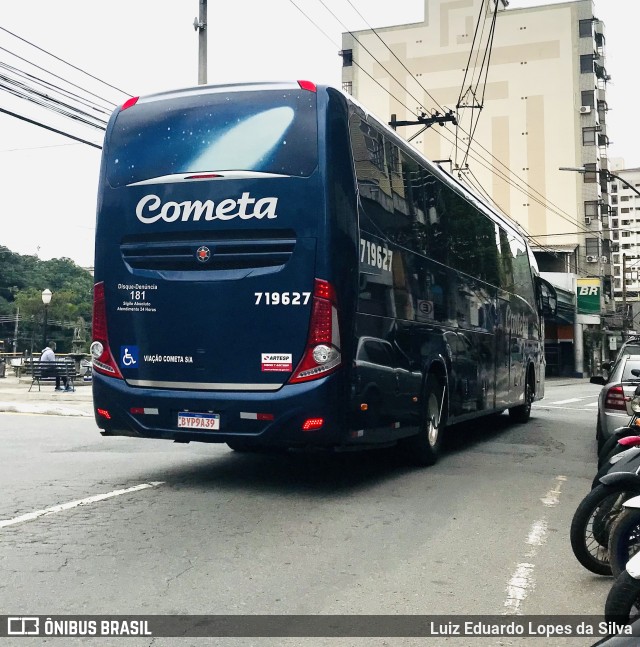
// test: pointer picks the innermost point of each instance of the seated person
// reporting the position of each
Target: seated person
(48, 355)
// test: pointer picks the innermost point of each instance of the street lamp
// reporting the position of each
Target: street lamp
(46, 299)
(608, 175)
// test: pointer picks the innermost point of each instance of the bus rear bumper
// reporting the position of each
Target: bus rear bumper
(273, 419)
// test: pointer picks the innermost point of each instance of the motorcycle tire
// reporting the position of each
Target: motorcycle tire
(623, 602)
(624, 539)
(589, 528)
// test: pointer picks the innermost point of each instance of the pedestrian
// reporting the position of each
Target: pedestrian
(49, 356)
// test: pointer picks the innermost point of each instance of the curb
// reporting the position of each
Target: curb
(44, 409)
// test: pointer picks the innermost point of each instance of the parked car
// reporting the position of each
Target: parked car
(630, 347)
(614, 401)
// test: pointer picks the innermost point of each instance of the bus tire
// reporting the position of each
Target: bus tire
(522, 413)
(424, 448)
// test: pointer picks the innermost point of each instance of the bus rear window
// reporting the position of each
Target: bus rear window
(263, 131)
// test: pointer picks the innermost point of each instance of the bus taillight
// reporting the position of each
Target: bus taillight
(308, 85)
(130, 102)
(322, 354)
(103, 361)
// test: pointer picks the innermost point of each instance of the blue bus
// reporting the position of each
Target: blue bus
(275, 267)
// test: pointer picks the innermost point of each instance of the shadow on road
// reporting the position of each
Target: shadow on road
(325, 473)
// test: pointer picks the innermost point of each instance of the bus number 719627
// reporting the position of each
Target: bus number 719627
(282, 298)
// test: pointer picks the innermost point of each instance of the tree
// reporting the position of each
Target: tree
(22, 280)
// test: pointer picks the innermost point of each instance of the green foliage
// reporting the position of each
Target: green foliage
(22, 280)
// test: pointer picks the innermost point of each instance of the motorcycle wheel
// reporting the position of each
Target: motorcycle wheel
(623, 602)
(624, 539)
(590, 544)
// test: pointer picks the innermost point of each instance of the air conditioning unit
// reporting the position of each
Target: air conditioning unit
(585, 110)
(592, 259)
(587, 220)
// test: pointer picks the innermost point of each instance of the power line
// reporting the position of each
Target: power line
(75, 85)
(55, 130)
(24, 40)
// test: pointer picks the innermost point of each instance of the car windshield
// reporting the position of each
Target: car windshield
(629, 365)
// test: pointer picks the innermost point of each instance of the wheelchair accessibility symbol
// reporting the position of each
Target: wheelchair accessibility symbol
(129, 356)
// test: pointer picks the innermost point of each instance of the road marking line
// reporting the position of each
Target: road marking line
(569, 400)
(551, 406)
(552, 498)
(522, 582)
(592, 404)
(30, 516)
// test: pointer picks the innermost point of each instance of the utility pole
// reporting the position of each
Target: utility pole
(625, 317)
(15, 332)
(200, 25)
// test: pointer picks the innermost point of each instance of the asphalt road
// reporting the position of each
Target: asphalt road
(209, 531)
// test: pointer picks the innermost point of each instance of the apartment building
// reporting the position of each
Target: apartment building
(625, 233)
(543, 108)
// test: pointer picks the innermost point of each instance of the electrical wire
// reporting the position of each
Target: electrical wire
(55, 130)
(24, 40)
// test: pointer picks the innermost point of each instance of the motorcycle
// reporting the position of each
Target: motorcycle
(624, 538)
(596, 513)
(617, 480)
(623, 602)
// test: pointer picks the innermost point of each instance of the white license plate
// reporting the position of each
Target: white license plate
(190, 420)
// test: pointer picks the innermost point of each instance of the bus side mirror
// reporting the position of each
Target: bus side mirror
(547, 297)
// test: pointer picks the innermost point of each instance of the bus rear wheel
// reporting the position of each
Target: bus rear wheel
(424, 448)
(522, 413)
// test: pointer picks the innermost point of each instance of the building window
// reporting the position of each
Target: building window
(591, 209)
(585, 28)
(626, 234)
(614, 224)
(615, 235)
(589, 136)
(592, 246)
(624, 198)
(590, 175)
(586, 98)
(586, 63)
(347, 57)
(614, 188)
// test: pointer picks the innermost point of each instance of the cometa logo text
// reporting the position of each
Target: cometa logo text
(150, 209)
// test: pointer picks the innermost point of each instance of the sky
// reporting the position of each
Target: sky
(48, 183)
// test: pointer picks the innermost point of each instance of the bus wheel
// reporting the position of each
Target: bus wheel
(424, 448)
(522, 413)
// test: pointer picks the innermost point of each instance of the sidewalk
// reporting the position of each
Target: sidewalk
(15, 397)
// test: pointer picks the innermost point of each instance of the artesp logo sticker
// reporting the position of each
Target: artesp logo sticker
(277, 362)
(129, 356)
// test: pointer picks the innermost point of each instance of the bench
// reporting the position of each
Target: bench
(50, 370)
